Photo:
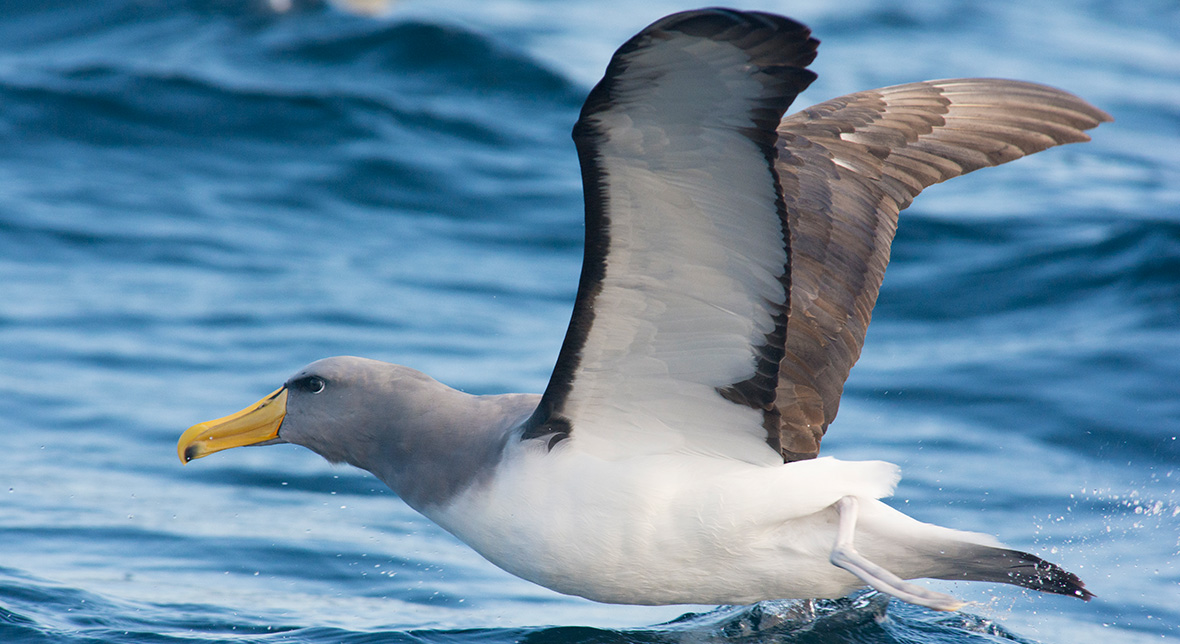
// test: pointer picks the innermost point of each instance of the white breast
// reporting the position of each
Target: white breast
(663, 529)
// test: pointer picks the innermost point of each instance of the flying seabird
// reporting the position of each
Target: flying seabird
(732, 260)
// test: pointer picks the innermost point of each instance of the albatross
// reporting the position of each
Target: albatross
(732, 260)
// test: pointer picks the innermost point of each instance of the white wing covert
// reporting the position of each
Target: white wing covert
(681, 310)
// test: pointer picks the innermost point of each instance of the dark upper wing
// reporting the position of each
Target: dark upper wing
(681, 313)
(847, 166)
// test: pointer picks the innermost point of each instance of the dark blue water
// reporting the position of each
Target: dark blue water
(197, 198)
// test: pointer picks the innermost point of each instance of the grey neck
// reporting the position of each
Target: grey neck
(451, 445)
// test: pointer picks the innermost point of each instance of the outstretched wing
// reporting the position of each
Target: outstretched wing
(681, 312)
(847, 167)
(733, 260)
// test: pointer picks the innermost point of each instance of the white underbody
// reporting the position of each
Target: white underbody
(684, 528)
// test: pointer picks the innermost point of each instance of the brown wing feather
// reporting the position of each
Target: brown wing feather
(846, 168)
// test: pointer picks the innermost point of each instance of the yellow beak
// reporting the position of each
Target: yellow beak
(255, 424)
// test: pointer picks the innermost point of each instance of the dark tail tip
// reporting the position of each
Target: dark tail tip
(1033, 572)
(1021, 569)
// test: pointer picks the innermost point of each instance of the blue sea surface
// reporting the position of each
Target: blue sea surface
(198, 198)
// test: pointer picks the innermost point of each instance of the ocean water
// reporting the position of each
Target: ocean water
(197, 198)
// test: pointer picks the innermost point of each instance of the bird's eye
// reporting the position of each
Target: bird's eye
(313, 384)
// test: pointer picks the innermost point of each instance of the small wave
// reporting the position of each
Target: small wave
(34, 610)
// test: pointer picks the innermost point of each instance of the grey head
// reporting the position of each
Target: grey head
(425, 440)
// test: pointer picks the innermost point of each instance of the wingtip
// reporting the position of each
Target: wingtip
(769, 35)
